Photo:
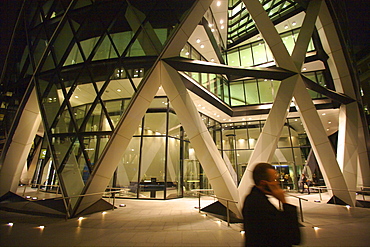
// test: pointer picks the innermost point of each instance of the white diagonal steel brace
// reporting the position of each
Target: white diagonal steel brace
(114, 150)
(266, 144)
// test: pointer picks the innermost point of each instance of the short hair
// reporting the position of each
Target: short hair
(260, 172)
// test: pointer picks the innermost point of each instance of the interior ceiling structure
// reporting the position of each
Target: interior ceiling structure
(118, 89)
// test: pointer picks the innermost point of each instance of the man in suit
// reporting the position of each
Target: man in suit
(264, 224)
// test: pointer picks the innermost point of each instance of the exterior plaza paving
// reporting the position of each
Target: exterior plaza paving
(177, 222)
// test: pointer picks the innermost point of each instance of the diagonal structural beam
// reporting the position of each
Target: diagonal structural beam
(321, 144)
(126, 128)
(270, 35)
(338, 97)
(266, 144)
(201, 140)
(267, 141)
(183, 64)
(305, 34)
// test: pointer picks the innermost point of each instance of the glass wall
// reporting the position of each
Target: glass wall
(257, 53)
(239, 140)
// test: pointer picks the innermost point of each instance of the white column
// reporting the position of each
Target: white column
(349, 131)
(201, 140)
(321, 145)
(131, 119)
(20, 146)
(270, 35)
(269, 137)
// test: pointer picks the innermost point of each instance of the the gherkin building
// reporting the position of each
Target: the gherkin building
(161, 99)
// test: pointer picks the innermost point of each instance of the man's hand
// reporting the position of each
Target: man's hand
(275, 191)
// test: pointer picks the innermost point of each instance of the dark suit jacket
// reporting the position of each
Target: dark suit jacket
(265, 225)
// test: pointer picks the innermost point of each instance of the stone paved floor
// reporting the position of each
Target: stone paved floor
(177, 223)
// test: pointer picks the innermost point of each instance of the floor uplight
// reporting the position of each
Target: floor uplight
(41, 227)
(348, 206)
(242, 232)
(10, 224)
(104, 212)
(81, 218)
(316, 228)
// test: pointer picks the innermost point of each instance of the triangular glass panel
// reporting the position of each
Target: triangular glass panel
(82, 3)
(149, 41)
(105, 50)
(40, 47)
(136, 50)
(115, 110)
(64, 123)
(90, 148)
(121, 40)
(97, 121)
(74, 56)
(58, 9)
(48, 63)
(72, 173)
(42, 85)
(51, 102)
(46, 7)
(61, 144)
(62, 41)
(88, 45)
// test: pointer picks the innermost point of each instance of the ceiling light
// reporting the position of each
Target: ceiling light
(76, 97)
(323, 114)
(304, 69)
(221, 21)
(218, 3)
(201, 46)
(198, 40)
(119, 90)
(286, 26)
(294, 23)
(212, 30)
(222, 27)
(212, 60)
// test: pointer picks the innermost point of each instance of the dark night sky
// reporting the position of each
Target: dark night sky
(358, 12)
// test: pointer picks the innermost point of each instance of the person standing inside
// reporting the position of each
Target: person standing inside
(264, 224)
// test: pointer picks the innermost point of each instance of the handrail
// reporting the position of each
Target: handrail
(300, 204)
(217, 197)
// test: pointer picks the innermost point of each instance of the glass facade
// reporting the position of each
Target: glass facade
(89, 60)
(87, 83)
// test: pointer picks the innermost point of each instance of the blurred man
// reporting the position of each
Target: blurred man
(264, 224)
